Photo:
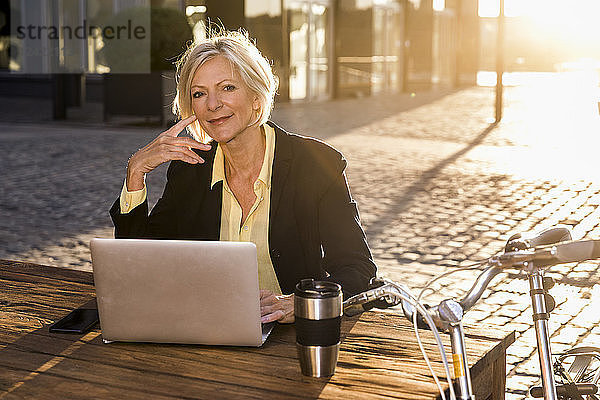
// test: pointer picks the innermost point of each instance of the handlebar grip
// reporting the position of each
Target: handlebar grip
(546, 256)
(569, 389)
(377, 304)
(556, 234)
(353, 310)
(575, 251)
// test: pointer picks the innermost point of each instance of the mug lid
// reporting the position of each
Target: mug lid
(309, 288)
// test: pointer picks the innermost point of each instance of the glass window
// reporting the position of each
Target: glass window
(309, 31)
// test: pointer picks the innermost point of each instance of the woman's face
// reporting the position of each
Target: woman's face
(223, 104)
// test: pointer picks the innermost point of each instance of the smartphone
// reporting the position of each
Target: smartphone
(80, 320)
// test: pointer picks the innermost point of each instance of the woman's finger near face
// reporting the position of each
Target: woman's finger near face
(191, 143)
(178, 127)
(177, 155)
(189, 153)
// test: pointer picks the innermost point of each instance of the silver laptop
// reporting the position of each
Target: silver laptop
(171, 291)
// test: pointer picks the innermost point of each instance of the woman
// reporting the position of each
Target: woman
(256, 182)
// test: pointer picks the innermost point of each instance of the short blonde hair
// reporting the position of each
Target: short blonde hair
(254, 69)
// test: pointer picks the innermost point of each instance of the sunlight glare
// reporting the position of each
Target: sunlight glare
(488, 8)
(551, 120)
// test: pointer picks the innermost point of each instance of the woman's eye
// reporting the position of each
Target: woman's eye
(229, 88)
(196, 95)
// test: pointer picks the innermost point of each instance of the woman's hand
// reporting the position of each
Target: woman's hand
(276, 308)
(166, 147)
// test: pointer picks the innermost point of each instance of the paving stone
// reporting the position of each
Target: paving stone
(588, 317)
(509, 312)
(568, 335)
(560, 319)
(558, 348)
(590, 339)
(522, 383)
(513, 395)
(476, 316)
(530, 367)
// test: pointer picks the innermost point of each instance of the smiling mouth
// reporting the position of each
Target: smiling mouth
(220, 120)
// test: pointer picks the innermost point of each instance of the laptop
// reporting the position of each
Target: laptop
(175, 291)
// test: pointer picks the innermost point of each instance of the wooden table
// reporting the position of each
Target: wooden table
(379, 356)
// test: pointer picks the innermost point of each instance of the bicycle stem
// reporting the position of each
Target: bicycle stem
(540, 318)
(448, 316)
(462, 374)
(450, 313)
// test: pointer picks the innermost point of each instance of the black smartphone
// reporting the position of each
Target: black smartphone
(80, 320)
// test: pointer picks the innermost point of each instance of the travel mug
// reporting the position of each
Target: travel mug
(318, 310)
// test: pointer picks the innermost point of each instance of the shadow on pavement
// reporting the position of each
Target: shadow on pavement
(329, 118)
(400, 204)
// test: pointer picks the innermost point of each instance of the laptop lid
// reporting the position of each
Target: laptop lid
(172, 291)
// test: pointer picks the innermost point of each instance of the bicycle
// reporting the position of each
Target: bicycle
(532, 254)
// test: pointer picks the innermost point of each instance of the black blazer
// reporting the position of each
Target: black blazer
(314, 226)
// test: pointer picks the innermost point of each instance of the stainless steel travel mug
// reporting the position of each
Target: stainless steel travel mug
(318, 311)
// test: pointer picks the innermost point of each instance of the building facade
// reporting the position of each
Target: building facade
(320, 49)
(324, 49)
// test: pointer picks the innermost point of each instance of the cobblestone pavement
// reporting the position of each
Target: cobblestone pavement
(437, 184)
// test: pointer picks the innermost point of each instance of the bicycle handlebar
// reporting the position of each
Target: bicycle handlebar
(481, 283)
(384, 293)
(514, 251)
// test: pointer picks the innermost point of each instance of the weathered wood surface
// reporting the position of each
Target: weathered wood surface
(379, 358)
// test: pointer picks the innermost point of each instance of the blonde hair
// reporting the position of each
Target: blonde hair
(254, 69)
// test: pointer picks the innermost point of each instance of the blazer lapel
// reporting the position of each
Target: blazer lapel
(203, 220)
(210, 212)
(281, 168)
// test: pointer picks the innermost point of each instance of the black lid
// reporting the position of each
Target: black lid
(312, 289)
